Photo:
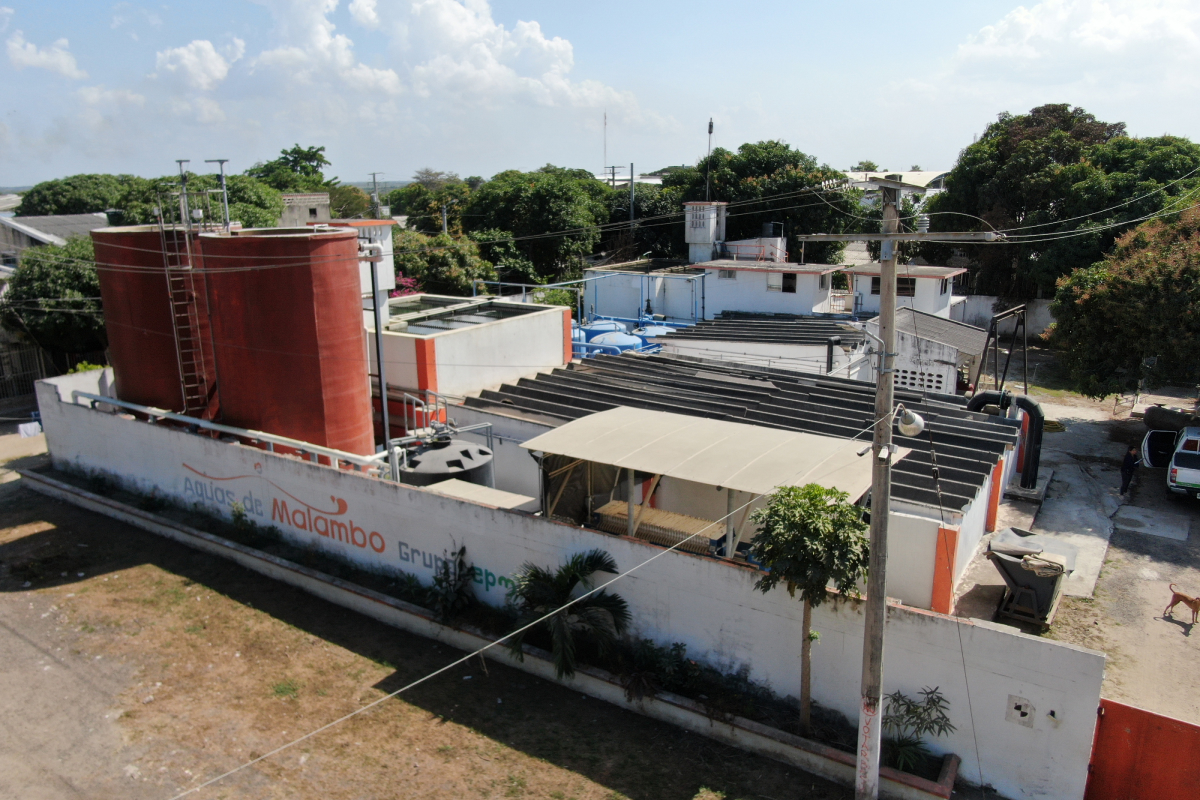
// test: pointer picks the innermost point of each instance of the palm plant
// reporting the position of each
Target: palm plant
(599, 618)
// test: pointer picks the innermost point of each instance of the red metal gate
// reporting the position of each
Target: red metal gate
(1140, 755)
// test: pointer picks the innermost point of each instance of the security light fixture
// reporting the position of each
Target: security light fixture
(908, 423)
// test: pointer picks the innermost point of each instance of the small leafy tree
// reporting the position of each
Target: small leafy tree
(907, 722)
(810, 537)
(452, 593)
(866, 165)
(75, 194)
(348, 202)
(600, 618)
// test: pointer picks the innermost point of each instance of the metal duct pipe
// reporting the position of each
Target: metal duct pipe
(830, 343)
(1037, 424)
(1033, 445)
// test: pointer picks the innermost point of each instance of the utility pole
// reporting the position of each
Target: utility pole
(220, 162)
(612, 171)
(707, 166)
(184, 210)
(375, 205)
(866, 783)
(870, 714)
(445, 228)
(631, 198)
(605, 161)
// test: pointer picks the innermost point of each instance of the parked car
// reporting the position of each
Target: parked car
(1179, 453)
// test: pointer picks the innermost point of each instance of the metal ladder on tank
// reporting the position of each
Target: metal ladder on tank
(189, 345)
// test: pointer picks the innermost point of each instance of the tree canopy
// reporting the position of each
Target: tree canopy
(75, 194)
(1140, 302)
(251, 202)
(770, 182)
(1065, 183)
(866, 165)
(570, 204)
(348, 202)
(298, 169)
(441, 264)
(53, 298)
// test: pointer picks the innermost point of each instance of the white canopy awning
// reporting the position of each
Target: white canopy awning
(734, 455)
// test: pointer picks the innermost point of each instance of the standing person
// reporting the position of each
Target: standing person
(1128, 468)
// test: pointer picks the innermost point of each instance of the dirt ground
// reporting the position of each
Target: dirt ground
(135, 667)
(1151, 658)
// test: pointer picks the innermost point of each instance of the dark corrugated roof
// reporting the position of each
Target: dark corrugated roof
(967, 444)
(965, 338)
(766, 330)
(64, 226)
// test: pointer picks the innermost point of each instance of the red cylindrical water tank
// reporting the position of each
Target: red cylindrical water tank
(138, 315)
(286, 311)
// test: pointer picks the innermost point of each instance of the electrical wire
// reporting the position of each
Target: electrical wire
(490, 645)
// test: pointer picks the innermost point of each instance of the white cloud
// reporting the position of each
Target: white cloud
(312, 53)
(199, 64)
(56, 58)
(364, 13)
(5, 16)
(1085, 45)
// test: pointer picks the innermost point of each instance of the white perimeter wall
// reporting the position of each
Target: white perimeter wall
(710, 605)
(624, 294)
(979, 308)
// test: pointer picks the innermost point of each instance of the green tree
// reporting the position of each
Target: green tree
(298, 169)
(657, 220)
(441, 264)
(1142, 301)
(348, 202)
(771, 182)
(865, 165)
(600, 618)
(499, 248)
(810, 537)
(251, 202)
(1065, 184)
(554, 214)
(53, 298)
(76, 194)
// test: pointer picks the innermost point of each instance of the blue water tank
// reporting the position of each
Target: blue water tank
(621, 341)
(578, 334)
(600, 326)
(650, 331)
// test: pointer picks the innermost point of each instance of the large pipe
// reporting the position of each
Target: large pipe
(830, 343)
(1037, 424)
(1033, 445)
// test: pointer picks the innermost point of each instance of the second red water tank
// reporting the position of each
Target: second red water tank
(287, 334)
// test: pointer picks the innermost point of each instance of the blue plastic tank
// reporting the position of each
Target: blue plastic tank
(650, 331)
(601, 326)
(617, 339)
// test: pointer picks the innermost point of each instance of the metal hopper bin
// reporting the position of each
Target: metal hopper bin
(1033, 568)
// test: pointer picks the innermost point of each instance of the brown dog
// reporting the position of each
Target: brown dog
(1179, 597)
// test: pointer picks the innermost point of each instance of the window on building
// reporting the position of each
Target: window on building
(823, 281)
(789, 282)
(312, 213)
(905, 287)
(945, 285)
(727, 274)
(774, 281)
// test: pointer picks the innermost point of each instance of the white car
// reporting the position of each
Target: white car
(1180, 454)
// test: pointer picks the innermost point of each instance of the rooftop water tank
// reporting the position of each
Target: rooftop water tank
(650, 331)
(601, 326)
(578, 334)
(286, 309)
(142, 311)
(444, 459)
(618, 340)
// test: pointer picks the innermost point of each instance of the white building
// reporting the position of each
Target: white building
(923, 288)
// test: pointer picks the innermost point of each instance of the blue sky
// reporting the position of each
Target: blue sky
(476, 87)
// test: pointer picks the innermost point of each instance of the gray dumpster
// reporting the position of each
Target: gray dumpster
(1033, 568)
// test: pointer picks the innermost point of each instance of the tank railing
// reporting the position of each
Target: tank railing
(313, 451)
(586, 349)
(367, 464)
(643, 321)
